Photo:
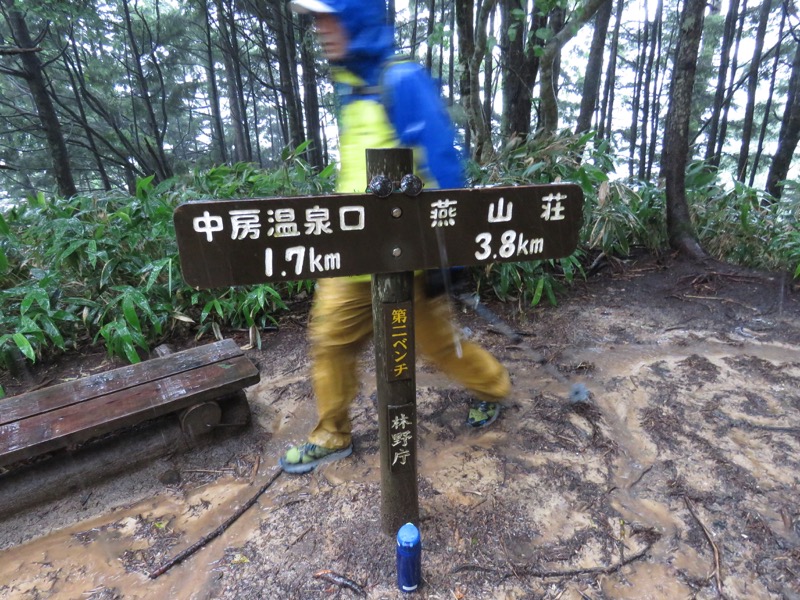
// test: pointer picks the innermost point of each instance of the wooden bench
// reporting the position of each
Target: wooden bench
(74, 412)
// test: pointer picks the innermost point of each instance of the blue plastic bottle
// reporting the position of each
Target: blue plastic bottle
(409, 558)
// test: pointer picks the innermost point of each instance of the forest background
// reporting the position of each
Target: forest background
(680, 121)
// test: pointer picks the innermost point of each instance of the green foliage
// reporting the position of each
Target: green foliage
(616, 216)
(294, 177)
(105, 269)
(624, 216)
(740, 224)
(734, 222)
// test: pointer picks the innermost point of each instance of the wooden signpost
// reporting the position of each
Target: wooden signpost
(240, 242)
(395, 372)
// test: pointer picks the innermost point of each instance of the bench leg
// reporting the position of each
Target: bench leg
(235, 410)
(200, 419)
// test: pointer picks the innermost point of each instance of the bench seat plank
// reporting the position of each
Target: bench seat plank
(81, 421)
(64, 394)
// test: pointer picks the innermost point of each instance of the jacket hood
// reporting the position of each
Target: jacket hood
(370, 38)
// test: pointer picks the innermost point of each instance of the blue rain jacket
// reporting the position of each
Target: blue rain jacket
(410, 97)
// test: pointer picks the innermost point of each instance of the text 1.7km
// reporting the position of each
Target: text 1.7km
(317, 262)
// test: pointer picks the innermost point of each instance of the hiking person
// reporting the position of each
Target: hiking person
(384, 102)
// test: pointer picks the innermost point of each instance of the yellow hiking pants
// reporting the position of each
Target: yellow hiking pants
(341, 324)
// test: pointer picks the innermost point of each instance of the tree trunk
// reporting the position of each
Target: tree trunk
(642, 36)
(240, 139)
(550, 61)
(311, 104)
(287, 70)
(451, 65)
(155, 130)
(516, 115)
(655, 119)
(790, 131)
(726, 105)
(762, 135)
(488, 78)
(414, 15)
(127, 155)
(607, 105)
(236, 61)
(428, 42)
(549, 74)
(466, 45)
(219, 149)
(594, 68)
(650, 89)
(676, 135)
(719, 95)
(74, 70)
(706, 68)
(33, 74)
(752, 85)
(280, 105)
(472, 50)
(252, 100)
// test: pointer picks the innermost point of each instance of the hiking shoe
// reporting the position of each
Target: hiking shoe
(483, 413)
(307, 457)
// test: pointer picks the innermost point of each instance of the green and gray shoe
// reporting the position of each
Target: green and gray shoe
(307, 457)
(483, 413)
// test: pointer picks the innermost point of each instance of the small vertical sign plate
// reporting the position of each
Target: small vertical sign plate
(399, 326)
(402, 432)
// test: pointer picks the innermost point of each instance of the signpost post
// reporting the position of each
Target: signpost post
(249, 241)
(395, 371)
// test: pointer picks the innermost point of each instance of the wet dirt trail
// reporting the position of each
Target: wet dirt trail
(677, 479)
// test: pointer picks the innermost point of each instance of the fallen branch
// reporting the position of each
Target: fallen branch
(341, 581)
(688, 298)
(745, 424)
(749, 425)
(209, 471)
(301, 536)
(640, 477)
(254, 471)
(707, 533)
(735, 277)
(181, 556)
(518, 571)
(41, 384)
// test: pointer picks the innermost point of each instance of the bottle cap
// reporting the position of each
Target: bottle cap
(408, 535)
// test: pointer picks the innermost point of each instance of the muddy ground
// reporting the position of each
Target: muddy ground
(679, 479)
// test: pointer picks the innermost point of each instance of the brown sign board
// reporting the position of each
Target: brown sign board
(248, 241)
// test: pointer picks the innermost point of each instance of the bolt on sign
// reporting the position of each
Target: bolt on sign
(241, 242)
